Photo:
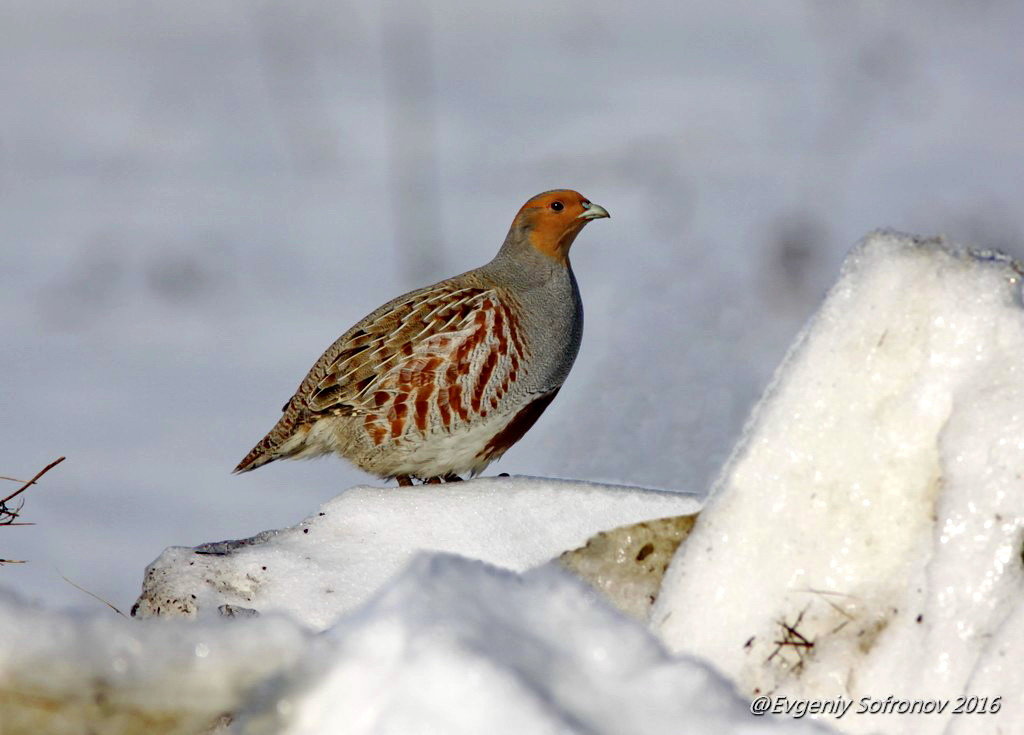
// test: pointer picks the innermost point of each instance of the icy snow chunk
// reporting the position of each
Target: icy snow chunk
(456, 647)
(336, 558)
(73, 673)
(865, 538)
(626, 564)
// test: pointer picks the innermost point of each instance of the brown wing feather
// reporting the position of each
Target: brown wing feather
(452, 359)
(440, 356)
(348, 374)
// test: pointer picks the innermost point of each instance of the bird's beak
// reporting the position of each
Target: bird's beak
(593, 211)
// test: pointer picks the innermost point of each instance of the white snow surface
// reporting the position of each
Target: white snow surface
(452, 646)
(876, 502)
(335, 559)
(456, 646)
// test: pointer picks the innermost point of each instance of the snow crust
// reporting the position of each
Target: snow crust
(335, 559)
(871, 517)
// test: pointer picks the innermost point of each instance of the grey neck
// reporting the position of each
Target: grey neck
(517, 261)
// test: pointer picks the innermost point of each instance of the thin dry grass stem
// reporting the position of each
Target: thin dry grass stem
(93, 595)
(823, 595)
(8, 515)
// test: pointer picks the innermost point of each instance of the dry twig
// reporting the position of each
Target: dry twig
(9, 515)
(794, 639)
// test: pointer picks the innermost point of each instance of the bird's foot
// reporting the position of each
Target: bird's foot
(407, 480)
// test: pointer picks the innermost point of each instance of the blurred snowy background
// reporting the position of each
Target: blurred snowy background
(197, 198)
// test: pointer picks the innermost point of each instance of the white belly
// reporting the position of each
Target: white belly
(436, 454)
(442, 453)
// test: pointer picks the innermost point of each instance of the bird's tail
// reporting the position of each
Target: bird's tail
(270, 447)
(260, 455)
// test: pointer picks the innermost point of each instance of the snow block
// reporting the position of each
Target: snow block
(865, 538)
(337, 558)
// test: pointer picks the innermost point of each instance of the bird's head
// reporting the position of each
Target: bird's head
(549, 222)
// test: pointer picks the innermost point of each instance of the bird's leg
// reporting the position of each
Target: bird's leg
(451, 477)
(432, 481)
(404, 481)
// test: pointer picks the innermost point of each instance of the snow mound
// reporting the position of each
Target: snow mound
(337, 558)
(865, 539)
(455, 646)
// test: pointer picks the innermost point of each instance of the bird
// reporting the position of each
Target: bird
(442, 381)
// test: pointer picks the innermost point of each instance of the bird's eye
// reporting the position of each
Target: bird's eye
(557, 206)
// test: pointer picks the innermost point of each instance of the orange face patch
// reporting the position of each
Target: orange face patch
(553, 221)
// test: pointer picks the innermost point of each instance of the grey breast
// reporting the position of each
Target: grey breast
(553, 322)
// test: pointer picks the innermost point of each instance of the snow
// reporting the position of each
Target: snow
(455, 646)
(335, 559)
(450, 646)
(875, 504)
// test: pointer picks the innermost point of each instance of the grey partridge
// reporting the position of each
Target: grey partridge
(443, 380)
